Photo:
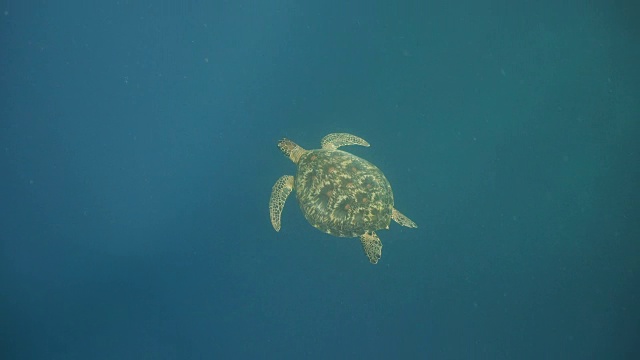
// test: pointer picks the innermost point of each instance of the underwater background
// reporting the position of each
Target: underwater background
(138, 151)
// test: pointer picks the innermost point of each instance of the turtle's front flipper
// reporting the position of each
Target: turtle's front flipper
(372, 246)
(279, 194)
(402, 220)
(335, 140)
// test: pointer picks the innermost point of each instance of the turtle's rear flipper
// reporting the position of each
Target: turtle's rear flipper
(402, 220)
(372, 246)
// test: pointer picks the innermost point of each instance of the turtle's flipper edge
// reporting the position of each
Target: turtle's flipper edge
(398, 217)
(335, 140)
(372, 246)
(279, 194)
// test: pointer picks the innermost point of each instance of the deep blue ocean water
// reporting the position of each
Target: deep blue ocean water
(138, 151)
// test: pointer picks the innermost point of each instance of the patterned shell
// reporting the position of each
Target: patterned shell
(342, 194)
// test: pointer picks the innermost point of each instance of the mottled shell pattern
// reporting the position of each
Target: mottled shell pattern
(339, 193)
(342, 194)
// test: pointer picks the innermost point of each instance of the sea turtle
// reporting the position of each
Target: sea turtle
(338, 192)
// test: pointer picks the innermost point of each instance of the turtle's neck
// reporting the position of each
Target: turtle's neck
(291, 149)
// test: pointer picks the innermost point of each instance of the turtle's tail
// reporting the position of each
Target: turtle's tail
(291, 149)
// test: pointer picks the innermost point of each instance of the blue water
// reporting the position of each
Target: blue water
(138, 151)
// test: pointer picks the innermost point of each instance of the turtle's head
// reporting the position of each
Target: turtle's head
(291, 149)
